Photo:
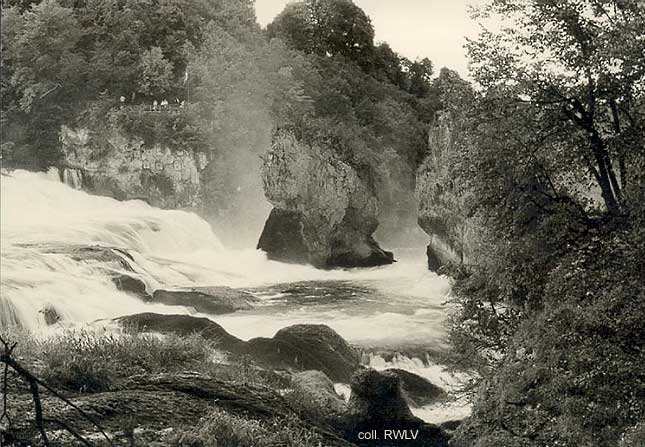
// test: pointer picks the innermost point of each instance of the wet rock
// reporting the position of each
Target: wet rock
(210, 300)
(325, 210)
(418, 390)
(308, 346)
(318, 389)
(377, 404)
(50, 315)
(107, 257)
(282, 237)
(131, 285)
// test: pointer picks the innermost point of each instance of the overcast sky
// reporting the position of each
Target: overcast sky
(414, 28)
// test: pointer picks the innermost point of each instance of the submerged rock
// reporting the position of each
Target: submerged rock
(209, 300)
(325, 211)
(377, 405)
(50, 315)
(131, 284)
(107, 257)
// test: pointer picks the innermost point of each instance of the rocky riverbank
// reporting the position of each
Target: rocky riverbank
(145, 390)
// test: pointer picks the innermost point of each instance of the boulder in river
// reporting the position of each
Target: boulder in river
(50, 315)
(325, 211)
(308, 346)
(377, 406)
(107, 257)
(282, 237)
(209, 300)
(130, 284)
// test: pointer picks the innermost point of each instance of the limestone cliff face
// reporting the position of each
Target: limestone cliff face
(108, 163)
(324, 212)
(441, 203)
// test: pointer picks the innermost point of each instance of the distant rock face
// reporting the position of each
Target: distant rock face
(441, 204)
(324, 212)
(108, 163)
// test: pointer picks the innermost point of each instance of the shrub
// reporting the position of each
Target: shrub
(88, 362)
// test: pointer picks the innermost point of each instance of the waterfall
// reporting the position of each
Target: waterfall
(61, 249)
(73, 178)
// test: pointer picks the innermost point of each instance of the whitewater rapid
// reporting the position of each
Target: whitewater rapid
(170, 249)
(43, 220)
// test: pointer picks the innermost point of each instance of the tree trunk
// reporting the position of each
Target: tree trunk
(604, 180)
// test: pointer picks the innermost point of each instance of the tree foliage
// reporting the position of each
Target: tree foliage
(326, 27)
(552, 162)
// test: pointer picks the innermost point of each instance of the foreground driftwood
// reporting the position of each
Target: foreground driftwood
(34, 383)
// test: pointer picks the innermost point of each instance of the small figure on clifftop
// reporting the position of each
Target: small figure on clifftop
(154, 105)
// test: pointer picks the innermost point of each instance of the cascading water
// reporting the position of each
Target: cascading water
(73, 178)
(48, 228)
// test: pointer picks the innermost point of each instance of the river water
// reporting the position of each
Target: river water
(395, 313)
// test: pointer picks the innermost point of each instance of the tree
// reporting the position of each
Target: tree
(156, 73)
(326, 27)
(43, 74)
(572, 71)
(420, 74)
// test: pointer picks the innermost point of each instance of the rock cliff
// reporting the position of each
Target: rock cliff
(324, 212)
(442, 204)
(108, 163)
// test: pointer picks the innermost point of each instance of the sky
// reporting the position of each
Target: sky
(413, 28)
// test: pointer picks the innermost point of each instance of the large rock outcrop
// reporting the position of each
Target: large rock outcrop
(106, 162)
(324, 211)
(442, 211)
(377, 408)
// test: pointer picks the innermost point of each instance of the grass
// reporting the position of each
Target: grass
(83, 362)
(86, 362)
(221, 429)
